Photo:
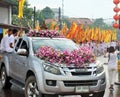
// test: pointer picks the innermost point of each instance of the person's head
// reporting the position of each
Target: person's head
(111, 49)
(15, 32)
(9, 31)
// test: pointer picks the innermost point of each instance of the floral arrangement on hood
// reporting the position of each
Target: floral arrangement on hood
(79, 57)
(44, 33)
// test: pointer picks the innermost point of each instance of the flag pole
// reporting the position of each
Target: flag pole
(20, 13)
(19, 34)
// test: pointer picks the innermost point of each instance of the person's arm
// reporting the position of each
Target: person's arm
(11, 45)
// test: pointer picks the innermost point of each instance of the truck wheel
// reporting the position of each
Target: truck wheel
(31, 88)
(5, 80)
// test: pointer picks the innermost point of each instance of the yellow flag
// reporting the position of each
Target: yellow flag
(20, 11)
(108, 36)
(114, 35)
(37, 26)
(64, 29)
(52, 25)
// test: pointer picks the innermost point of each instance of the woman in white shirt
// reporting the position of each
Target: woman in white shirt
(112, 66)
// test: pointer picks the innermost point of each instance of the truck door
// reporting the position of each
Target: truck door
(20, 62)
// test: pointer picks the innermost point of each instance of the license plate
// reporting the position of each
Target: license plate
(82, 89)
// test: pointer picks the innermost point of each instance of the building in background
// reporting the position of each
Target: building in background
(5, 16)
(83, 21)
(5, 11)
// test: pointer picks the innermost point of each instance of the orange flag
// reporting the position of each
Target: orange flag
(64, 29)
(56, 27)
(72, 30)
(52, 25)
(92, 33)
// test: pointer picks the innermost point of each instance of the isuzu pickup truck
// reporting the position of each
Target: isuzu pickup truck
(40, 78)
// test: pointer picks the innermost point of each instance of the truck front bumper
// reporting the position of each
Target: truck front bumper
(59, 84)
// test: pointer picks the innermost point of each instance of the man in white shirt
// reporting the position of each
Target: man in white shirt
(13, 37)
(7, 42)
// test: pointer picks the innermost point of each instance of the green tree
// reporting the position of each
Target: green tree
(67, 21)
(47, 13)
(101, 24)
(39, 17)
(15, 7)
(27, 14)
(24, 21)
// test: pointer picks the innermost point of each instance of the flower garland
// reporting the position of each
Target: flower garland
(44, 33)
(78, 58)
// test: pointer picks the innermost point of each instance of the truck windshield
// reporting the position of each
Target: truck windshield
(59, 44)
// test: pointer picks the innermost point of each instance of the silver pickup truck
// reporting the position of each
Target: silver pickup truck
(41, 79)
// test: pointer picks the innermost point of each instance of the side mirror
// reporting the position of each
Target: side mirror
(22, 52)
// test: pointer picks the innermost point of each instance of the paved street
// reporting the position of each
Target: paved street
(16, 92)
(116, 92)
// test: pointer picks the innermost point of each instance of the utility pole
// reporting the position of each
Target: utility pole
(62, 9)
(34, 15)
(60, 25)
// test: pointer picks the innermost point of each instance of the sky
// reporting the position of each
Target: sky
(79, 8)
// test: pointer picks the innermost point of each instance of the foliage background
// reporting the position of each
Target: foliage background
(46, 13)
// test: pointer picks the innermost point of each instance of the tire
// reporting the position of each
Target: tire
(5, 80)
(31, 88)
(99, 94)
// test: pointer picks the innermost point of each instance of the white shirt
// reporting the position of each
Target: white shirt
(5, 43)
(12, 40)
(108, 44)
(113, 60)
(113, 44)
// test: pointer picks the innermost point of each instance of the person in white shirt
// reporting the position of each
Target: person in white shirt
(7, 42)
(112, 66)
(13, 37)
(113, 43)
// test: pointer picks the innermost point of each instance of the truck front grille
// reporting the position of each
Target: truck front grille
(80, 83)
(80, 71)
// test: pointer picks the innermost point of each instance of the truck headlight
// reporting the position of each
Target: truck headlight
(52, 69)
(99, 69)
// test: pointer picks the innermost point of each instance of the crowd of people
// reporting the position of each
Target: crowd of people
(100, 48)
(109, 50)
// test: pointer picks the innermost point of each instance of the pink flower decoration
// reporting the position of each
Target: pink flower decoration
(78, 58)
(45, 33)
